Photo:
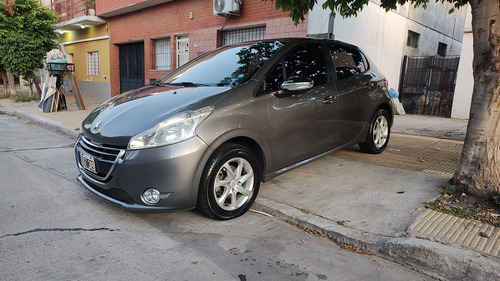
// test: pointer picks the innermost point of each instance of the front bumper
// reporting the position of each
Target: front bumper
(170, 169)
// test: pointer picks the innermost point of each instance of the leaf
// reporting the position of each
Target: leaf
(482, 234)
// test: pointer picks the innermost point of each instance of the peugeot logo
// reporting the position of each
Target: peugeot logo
(96, 126)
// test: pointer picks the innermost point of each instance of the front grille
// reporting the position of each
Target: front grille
(105, 157)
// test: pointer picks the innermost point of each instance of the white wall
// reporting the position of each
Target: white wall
(381, 35)
(45, 3)
(318, 21)
(465, 80)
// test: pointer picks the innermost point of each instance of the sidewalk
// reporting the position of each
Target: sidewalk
(376, 207)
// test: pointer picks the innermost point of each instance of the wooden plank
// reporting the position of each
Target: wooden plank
(74, 85)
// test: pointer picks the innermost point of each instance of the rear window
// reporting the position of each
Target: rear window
(348, 61)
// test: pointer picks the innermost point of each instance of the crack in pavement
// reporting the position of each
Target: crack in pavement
(59, 230)
(35, 164)
(6, 149)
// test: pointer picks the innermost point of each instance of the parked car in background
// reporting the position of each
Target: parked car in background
(209, 133)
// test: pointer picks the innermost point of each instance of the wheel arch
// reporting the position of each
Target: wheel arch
(238, 146)
(253, 146)
(387, 107)
(242, 140)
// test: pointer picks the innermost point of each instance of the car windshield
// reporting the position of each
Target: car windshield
(228, 66)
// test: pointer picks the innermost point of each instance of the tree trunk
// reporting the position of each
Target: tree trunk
(478, 173)
(12, 84)
(38, 89)
(3, 73)
(30, 85)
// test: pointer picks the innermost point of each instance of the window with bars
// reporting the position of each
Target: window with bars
(161, 54)
(442, 49)
(93, 63)
(244, 34)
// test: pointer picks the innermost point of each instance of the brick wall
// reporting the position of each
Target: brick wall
(106, 6)
(173, 18)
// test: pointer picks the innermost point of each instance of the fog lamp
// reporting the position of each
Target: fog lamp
(151, 196)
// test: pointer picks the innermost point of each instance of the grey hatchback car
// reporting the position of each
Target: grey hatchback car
(210, 132)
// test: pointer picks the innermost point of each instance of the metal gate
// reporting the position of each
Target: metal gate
(428, 85)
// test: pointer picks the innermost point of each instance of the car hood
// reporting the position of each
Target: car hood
(115, 121)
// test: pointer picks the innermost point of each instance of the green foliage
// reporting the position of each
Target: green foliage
(447, 208)
(347, 8)
(7, 96)
(497, 199)
(22, 98)
(25, 36)
(449, 189)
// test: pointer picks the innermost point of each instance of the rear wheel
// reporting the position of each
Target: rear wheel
(230, 182)
(378, 133)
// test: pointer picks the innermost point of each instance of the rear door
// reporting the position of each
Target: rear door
(303, 123)
(355, 84)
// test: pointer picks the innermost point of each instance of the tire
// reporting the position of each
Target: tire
(378, 133)
(230, 182)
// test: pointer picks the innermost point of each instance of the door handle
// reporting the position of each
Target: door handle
(369, 85)
(329, 99)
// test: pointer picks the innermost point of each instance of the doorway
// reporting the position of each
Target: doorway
(131, 66)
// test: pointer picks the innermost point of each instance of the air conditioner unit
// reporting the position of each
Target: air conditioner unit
(227, 7)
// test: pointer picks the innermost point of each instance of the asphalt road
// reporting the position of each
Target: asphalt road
(54, 229)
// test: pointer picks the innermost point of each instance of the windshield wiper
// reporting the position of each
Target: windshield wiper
(186, 84)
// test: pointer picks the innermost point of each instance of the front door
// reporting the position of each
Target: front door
(131, 66)
(182, 50)
(303, 123)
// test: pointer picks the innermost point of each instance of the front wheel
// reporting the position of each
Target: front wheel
(230, 182)
(378, 133)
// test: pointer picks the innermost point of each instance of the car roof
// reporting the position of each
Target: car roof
(296, 40)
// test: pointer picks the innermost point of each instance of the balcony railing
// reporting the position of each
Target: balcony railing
(71, 9)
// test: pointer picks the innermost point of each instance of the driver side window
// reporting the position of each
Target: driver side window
(304, 61)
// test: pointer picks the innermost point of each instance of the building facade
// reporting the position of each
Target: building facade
(148, 39)
(465, 79)
(411, 43)
(84, 38)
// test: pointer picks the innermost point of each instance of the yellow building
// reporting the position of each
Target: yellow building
(84, 38)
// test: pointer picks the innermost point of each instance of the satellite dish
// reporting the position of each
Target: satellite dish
(219, 5)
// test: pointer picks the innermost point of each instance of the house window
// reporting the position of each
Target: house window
(161, 54)
(93, 63)
(442, 49)
(413, 38)
(244, 34)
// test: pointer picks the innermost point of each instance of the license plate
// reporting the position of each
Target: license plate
(87, 162)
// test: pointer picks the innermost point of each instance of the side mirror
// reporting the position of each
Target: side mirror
(297, 84)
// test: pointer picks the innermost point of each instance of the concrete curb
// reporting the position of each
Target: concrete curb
(436, 260)
(45, 123)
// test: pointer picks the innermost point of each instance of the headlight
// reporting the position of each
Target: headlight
(172, 130)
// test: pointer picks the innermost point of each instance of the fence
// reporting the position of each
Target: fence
(428, 85)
